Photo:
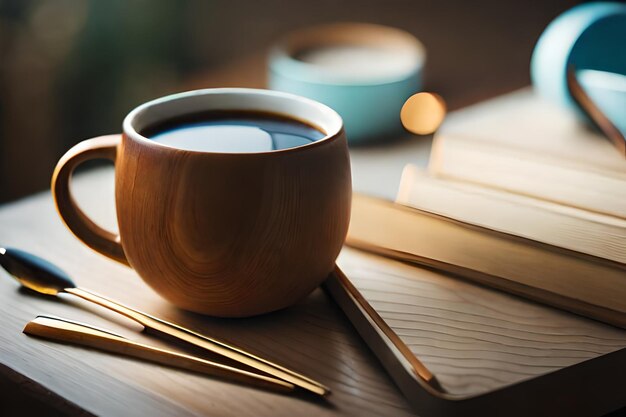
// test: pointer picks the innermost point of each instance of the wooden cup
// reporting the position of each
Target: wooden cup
(225, 234)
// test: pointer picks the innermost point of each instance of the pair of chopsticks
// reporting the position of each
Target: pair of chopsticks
(271, 376)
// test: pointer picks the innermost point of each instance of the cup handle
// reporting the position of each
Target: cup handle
(94, 236)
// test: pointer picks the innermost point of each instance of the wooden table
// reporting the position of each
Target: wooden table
(313, 337)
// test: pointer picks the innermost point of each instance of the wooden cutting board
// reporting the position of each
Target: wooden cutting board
(494, 353)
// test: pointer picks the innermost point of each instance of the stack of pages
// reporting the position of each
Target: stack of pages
(520, 196)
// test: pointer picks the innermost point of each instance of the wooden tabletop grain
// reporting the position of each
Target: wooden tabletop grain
(313, 337)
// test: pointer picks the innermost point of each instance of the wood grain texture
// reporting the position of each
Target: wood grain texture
(312, 337)
(494, 353)
(225, 234)
(94, 236)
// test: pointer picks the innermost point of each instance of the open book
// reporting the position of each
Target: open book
(519, 196)
(543, 219)
(568, 279)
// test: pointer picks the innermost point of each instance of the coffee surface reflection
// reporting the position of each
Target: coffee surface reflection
(234, 132)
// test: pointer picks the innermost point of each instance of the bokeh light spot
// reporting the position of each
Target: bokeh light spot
(423, 113)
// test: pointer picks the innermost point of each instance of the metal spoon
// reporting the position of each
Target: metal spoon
(43, 277)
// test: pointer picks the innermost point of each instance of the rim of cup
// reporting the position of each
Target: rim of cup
(287, 105)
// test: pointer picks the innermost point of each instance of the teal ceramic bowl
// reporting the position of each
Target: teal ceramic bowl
(590, 36)
(363, 71)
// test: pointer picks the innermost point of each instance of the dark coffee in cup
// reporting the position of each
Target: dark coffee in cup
(233, 132)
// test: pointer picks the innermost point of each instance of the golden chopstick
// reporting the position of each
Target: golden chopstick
(82, 334)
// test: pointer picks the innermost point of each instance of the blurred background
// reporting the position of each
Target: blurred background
(72, 69)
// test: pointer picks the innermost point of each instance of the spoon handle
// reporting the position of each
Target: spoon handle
(165, 328)
(81, 334)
